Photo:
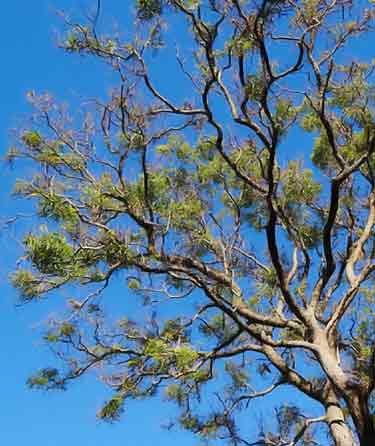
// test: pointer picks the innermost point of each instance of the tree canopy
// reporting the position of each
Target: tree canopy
(239, 211)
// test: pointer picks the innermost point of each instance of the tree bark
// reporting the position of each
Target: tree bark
(340, 431)
(362, 419)
(368, 438)
(357, 403)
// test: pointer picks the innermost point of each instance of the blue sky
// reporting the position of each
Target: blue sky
(31, 61)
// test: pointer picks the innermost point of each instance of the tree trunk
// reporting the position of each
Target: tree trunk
(362, 418)
(367, 434)
(340, 431)
(368, 439)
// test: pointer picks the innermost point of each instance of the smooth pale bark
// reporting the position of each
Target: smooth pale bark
(340, 431)
(360, 414)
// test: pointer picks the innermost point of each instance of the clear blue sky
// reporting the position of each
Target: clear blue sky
(30, 60)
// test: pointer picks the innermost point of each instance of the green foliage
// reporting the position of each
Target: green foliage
(175, 392)
(267, 284)
(98, 197)
(310, 122)
(255, 87)
(186, 212)
(27, 284)
(285, 112)
(238, 375)
(57, 208)
(185, 357)
(72, 41)
(182, 357)
(61, 331)
(241, 45)
(212, 171)
(148, 9)
(322, 154)
(299, 185)
(32, 139)
(66, 329)
(49, 253)
(189, 422)
(134, 284)
(203, 200)
(157, 349)
(113, 409)
(48, 378)
(310, 234)
(158, 187)
(174, 331)
(115, 250)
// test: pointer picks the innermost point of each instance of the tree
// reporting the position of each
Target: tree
(206, 200)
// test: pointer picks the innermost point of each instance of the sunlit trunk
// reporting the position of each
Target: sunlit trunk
(339, 429)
